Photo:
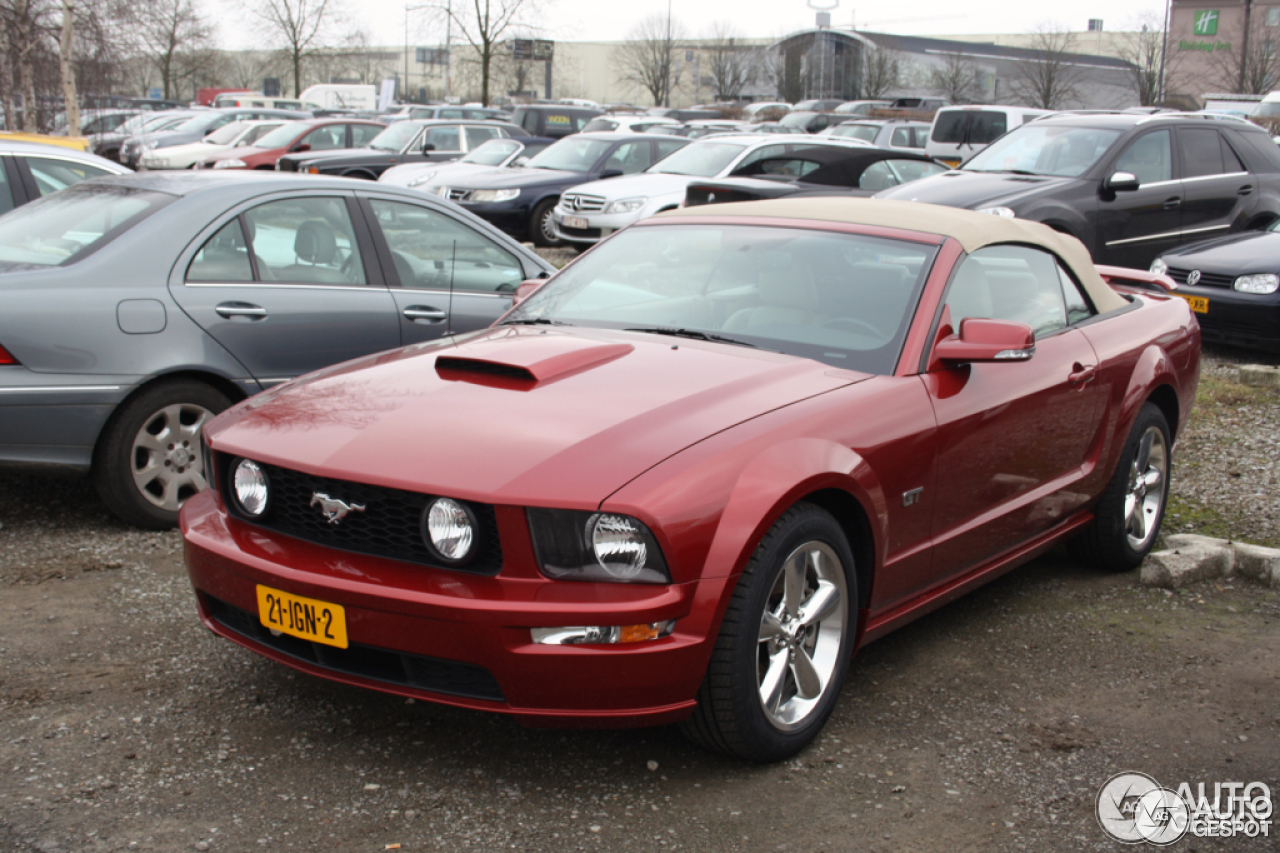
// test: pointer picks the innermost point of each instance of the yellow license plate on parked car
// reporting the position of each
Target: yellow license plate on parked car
(1199, 304)
(318, 621)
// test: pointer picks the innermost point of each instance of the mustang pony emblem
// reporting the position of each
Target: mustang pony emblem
(334, 509)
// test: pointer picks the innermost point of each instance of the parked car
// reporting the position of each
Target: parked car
(818, 105)
(686, 478)
(919, 104)
(300, 137)
(861, 108)
(885, 133)
(435, 140)
(177, 294)
(809, 121)
(1233, 285)
(108, 144)
(764, 110)
(196, 128)
(225, 138)
(770, 127)
(699, 129)
(29, 171)
(807, 171)
(96, 121)
(627, 123)
(958, 133)
(520, 201)
(592, 211)
(553, 120)
(415, 112)
(495, 153)
(1130, 186)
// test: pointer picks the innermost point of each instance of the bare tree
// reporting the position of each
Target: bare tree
(1049, 79)
(955, 79)
(299, 26)
(1252, 65)
(647, 56)
(729, 62)
(66, 69)
(25, 26)
(171, 34)
(1142, 47)
(881, 70)
(486, 26)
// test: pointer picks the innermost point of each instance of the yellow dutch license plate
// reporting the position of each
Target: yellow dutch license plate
(1199, 304)
(318, 621)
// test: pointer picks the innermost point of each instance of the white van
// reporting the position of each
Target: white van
(341, 96)
(253, 99)
(957, 133)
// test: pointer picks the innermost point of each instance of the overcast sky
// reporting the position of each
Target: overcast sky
(580, 20)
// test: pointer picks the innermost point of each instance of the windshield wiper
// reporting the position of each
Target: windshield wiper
(536, 321)
(691, 333)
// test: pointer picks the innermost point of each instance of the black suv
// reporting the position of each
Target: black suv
(1129, 186)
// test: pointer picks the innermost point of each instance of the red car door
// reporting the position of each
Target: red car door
(1013, 436)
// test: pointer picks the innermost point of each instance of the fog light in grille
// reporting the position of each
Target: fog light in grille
(449, 529)
(251, 488)
(602, 634)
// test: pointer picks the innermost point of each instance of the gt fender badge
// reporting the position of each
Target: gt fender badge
(911, 497)
(334, 509)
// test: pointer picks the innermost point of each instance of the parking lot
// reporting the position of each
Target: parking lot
(988, 725)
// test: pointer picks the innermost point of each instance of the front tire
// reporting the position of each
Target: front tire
(542, 231)
(148, 461)
(1127, 519)
(784, 645)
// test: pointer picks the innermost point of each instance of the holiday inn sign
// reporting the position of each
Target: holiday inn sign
(1206, 23)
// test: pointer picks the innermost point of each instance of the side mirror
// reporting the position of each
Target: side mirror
(526, 289)
(428, 146)
(520, 161)
(1121, 182)
(987, 340)
(610, 173)
(301, 146)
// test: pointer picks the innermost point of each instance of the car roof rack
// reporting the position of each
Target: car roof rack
(1202, 116)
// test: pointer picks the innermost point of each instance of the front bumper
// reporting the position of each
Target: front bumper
(510, 217)
(1237, 319)
(598, 225)
(456, 638)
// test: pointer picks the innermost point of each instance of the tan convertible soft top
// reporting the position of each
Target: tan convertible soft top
(972, 230)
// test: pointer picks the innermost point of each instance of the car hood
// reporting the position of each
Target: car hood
(401, 176)
(596, 409)
(1252, 251)
(975, 189)
(339, 153)
(500, 178)
(169, 138)
(645, 184)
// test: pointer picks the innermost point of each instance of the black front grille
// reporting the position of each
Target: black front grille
(388, 526)
(1207, 279)
(434, 674)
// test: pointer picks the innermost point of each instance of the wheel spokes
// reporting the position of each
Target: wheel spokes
(1144, 451)
(823, 603)
(793, 580)
(808, 681)
(775, 679)
(771, 628)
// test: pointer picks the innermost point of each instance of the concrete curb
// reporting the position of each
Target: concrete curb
(1188, 559)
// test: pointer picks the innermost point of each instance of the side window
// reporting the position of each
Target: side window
(1231, 162)
(444, 138)
(1149, 157)
(477, 136)
(877, 176)
(450, 114)
(432, 250)
(901, 137)
(1077, 306)
(305, 240)
(1201, 152)
(761, 154)
(630, 157)
(6, 192)
(53, 175)
(362, 134)
(223, 257)
(325, 138)
(1009, 283)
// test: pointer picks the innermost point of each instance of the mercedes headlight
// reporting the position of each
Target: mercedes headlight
(485, 196)
(626, 205)
(1159, 267)
(422, 179)
(1006, 212)
(443, 192)
(596, 546)
(251, 487)
(1262, 284)
(230, 164)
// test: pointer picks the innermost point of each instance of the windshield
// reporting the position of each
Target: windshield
(699, 159)
(865, 132)
(162, 120)
(600, 124)
(842, 299)
(395, 137)
(62, 228)
(1039, 149)
(1267, 110)
(200, 123)
(796, 119)
(135, 123)
(572, 154)
(493, 152)
(282, 136)
(226, 134)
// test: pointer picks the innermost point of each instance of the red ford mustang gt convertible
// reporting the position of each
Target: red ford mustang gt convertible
(688, 476)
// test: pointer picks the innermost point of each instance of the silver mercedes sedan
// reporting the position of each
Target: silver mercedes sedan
(135, 308)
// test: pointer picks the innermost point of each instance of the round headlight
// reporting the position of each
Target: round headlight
(1159, 267)
(250, 484)
(618, 544)
(449, 528)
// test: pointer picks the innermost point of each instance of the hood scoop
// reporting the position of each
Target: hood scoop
(519, 358)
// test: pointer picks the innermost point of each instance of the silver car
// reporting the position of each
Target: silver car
(133, 309)
(31, 170)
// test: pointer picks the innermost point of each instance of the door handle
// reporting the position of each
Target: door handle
(1171, 203)
(1245, 190)
(425, 313)
(241, 309)
(1080, 375)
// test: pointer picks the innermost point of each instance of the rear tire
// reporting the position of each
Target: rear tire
(1127, 519)
(148, 460)
(785, 643)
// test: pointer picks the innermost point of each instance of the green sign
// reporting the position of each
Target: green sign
(1206, 23)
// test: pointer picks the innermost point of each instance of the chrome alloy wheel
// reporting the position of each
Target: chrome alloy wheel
(548, 227)
(165, 460)
(801, 630)
(1144, 500)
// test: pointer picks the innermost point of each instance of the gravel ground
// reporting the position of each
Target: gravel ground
(986, 726)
